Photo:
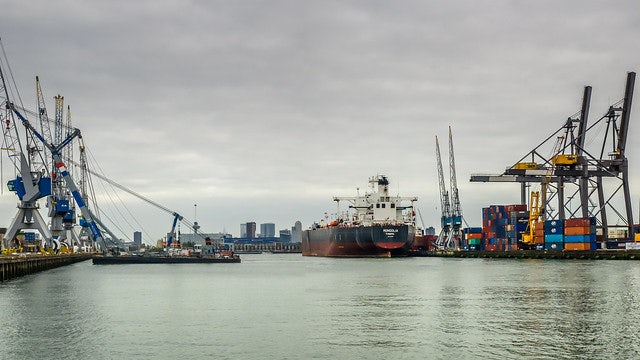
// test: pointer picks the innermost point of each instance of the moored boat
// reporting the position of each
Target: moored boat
(375, 225)
(162, 259)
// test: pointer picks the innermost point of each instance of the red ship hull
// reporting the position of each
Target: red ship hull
(362, 241)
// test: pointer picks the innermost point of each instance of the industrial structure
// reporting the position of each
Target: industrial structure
(576, 180)
(40, 157)
(451, 219)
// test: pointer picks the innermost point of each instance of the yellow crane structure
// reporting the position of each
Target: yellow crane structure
(538, 199)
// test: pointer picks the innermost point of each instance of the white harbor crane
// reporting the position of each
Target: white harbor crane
(451, 219)
(32, 181)
(456, 208)
(445, 205)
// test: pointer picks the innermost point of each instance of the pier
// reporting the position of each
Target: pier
(13, 266)
(601, 254)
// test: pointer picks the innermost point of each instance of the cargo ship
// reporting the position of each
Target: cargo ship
(163, 259)
(374, 225)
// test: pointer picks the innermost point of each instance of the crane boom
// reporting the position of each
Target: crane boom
(189, 224)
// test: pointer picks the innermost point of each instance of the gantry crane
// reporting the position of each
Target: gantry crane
(580, 177)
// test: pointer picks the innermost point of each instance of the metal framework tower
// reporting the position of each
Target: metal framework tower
(456, 208)
(584, 182)
(444, 238)
(30, 183)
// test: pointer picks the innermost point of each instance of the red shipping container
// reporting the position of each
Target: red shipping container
(577, 222)
(491, 247)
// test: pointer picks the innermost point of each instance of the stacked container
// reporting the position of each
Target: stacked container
(538, 236)
(554, 235)
(580, 234)
(473, 238)
(518, 220)
(493, 220)
(503, 226)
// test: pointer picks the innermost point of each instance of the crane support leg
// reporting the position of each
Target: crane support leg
(603, 209)
(561, 215)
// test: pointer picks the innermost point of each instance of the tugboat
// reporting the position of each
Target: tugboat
(375, 225)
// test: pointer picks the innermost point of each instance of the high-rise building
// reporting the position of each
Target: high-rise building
(251, 230)
(296, 232)
(268, 230)
(243, 230)
(137, 238)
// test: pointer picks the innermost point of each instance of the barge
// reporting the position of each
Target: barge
(162, 259)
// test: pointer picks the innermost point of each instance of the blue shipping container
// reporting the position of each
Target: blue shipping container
(553, 230)
(554, 223)
(553, 238)
(578, 239)
(553, 246)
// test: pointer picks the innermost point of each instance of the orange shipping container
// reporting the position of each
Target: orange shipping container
(473, 236)
(577, 246)
(538, 239)
(577, 230)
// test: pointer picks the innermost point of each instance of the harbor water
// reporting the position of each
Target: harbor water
(285, 306)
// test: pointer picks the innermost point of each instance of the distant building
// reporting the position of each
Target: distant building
(200, 238)
(296, 232)
(243, 230)
(430, 231)
(137, 238)
(267, 230)
(251, 230)
(285, 236)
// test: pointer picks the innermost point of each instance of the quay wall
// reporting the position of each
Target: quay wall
(537, 254)
(13, 266)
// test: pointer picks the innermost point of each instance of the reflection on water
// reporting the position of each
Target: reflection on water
(290, 307)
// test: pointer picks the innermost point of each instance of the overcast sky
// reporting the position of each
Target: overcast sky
(264, 110)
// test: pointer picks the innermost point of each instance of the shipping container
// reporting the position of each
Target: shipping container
(577, 230)
(579, 238)
(553, 246)
(577, 246)
(615, 244)
(553, 238)
(475, 242)
(554, 224)
(580, 222)
(553, 229)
